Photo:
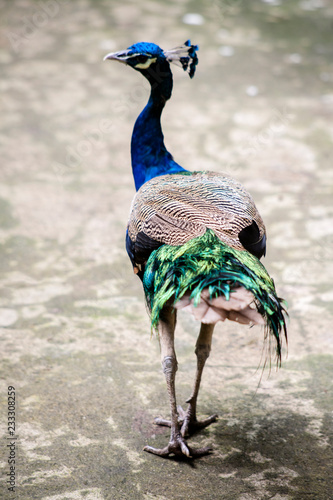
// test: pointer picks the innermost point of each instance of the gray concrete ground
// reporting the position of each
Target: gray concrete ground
(75, 341)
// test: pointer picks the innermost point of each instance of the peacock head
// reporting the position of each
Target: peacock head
(150, 59)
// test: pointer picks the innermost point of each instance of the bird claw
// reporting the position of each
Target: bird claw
(189, 424)
(178, 447)
(162, 421)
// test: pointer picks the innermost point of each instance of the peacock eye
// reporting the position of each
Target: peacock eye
(142, 59)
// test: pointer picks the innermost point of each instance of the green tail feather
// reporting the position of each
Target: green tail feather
(206, 262)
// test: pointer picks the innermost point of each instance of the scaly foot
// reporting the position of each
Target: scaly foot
(188, 422)
(190, 425)
(178, 447)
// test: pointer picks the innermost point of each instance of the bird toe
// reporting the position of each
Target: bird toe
(190, 427)
(179, 448)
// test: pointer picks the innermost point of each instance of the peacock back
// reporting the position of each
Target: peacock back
(173, 209)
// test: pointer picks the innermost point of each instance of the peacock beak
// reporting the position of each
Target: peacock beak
(121, 56)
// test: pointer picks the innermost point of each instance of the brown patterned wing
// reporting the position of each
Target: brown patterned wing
(172, 209)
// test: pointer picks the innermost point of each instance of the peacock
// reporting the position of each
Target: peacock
(194, 240)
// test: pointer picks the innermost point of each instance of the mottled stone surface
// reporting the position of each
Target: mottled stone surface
(75, 340)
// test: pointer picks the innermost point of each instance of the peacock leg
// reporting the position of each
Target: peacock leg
(177, 444)
(190, 423)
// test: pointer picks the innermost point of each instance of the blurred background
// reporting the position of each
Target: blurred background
(75, 338)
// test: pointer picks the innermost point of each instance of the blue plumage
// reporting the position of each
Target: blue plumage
(150, 157)
(145, 48)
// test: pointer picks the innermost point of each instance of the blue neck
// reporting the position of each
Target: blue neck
(150, 157)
